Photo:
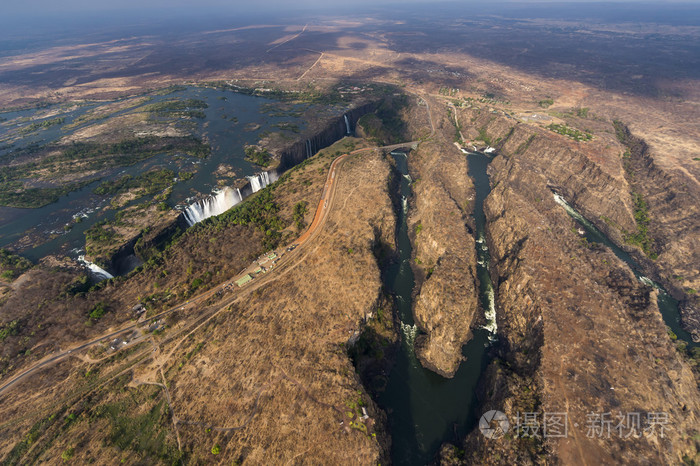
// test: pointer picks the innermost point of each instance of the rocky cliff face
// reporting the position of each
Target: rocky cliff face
(444, 256)
(332, 132)
(578, 334)
(601, 181)
(675, 225)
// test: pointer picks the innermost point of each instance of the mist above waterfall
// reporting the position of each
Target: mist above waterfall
(224, 199)
(96, 271)
(216, 204)
(261, 180)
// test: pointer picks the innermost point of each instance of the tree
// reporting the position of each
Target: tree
(68, 454)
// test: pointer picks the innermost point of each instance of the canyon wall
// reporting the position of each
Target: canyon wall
(578, 333)
(600, 181)
(334, 130)
(675, 224)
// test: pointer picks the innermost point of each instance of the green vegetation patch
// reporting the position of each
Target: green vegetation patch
(300, 210)
(37, 125)
(130, 151)
(641, 236)
(572, 133)
(143, 433)
(287, 126)
(282, 110)
(191, 108)
(546, 103)
(260, 211)
(310, 95)
(34, 197)
(12, 265)
(98, 311)
(99, 236)
(148, 183)
(28, 449)
(10, 329)
(484, 137)
(260, 157)
(79, 158)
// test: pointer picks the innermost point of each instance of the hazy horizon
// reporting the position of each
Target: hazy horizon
(44, 19)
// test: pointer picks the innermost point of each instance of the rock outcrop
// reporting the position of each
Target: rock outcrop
(446, 305)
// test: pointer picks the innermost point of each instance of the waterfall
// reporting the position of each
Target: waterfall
(216, 204)
(347, 125)
(97, 271)
(222, 200)
(261, 180)
(404, 204)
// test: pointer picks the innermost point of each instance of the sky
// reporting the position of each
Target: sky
(32, 17)
(45, 6)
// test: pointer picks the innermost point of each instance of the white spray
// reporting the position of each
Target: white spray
(96, 270)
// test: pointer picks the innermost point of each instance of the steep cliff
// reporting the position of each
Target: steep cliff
(671, 199)
(331, 132)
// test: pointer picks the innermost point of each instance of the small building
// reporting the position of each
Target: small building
(243, 280)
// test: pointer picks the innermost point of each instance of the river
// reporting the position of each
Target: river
(668, 306)
(425, 409)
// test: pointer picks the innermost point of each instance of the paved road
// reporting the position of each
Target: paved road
(288, 40)
(322, 209)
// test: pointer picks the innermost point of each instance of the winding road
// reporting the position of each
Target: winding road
(324, 205)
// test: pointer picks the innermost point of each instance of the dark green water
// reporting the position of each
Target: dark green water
(667, 304)
(425, 409)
